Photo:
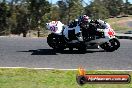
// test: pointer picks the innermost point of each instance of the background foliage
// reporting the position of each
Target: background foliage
(20, 16)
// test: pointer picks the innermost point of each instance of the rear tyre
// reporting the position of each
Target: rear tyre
(82, 48)
(111, 46)
(71, 48)
(55, 42)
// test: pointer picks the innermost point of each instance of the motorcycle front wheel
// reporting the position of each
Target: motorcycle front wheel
(111, 46)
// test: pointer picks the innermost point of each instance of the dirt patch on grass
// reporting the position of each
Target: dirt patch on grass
(121, 21)
(120, 25)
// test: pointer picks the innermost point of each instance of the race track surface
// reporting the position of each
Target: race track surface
(35, 53)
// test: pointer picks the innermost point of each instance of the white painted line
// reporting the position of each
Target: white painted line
(60, 69)
(52, 69)
(38, 68)
(12, 67)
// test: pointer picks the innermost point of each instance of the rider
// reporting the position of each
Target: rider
(77, 25)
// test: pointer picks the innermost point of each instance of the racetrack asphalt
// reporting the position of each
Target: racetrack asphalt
(35, 53)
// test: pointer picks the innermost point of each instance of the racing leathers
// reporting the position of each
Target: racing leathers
(74, 29)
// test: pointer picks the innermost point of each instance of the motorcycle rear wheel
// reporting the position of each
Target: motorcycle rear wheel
(82, 48)
(55, 42)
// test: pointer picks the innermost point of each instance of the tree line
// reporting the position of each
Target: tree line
(20, 16)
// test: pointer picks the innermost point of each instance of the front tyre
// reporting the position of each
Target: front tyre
(111, 46)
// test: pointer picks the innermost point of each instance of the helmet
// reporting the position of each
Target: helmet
(83, 19)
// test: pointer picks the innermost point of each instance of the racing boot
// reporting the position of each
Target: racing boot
(79, 37)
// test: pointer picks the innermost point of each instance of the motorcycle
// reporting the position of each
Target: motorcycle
(104, 38)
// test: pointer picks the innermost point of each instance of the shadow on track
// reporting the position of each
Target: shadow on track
(53, 52)
(41, 52)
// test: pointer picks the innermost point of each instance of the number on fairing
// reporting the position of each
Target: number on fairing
(111, 32)
(53, 29)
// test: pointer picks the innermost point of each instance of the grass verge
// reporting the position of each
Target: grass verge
(29, 78)
(119, 24)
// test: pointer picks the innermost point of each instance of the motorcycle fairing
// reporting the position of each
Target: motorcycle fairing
(55, 27)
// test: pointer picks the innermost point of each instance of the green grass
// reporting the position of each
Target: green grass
(28, 78)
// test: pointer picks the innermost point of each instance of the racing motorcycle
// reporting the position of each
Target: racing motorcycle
(104, 38)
